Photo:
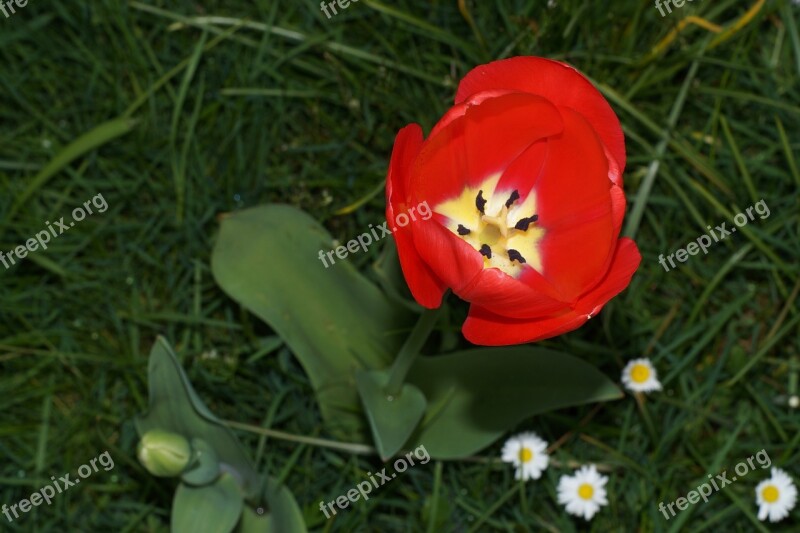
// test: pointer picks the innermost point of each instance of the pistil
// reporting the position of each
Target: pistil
(494, 229)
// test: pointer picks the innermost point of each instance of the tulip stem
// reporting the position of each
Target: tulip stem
(410, 350)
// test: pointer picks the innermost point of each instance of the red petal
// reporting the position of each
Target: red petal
(449, 257)
(407, 145)
(574, 208)
(460, 108)
(623, 265)
(614, 172)
(559, 83)
(618, 203)
(483, 327)
(508, 296)
(523, 173)
(426, 288)
(487, 329)
(480, 143)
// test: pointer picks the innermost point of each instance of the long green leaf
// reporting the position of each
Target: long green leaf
(333, 319)
(475, 396)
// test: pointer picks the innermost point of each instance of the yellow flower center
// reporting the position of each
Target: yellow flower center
(640, 373)
(586, 491)
(770, 494)
(525, 455)
(498, 224)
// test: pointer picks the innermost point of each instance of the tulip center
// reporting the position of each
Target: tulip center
(501, 225)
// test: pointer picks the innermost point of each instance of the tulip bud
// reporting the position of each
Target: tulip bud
(164, 454)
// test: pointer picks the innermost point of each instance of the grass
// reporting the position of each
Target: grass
(241, 103)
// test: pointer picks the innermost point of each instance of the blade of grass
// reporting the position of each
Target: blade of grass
(98, 136)
(178, 168)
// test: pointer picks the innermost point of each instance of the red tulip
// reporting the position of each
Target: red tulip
(524, 178)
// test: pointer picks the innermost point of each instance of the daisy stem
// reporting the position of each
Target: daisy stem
(646, 416)
(523, 498)
(410, 350)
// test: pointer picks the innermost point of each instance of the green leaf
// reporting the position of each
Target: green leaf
(389, 275)
(475, 396)
(212, 508)
(333, 319)
(283, 515)
(174, 406)
(391, 418)
(205, 465)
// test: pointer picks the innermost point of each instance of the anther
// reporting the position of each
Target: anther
(513, 198)
(480, 202)
(486, 251)
(514, 255)
(525, 222)
(462, 230)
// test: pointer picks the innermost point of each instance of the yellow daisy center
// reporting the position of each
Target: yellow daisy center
(640, 373)
(770, 494)
(525, 455)
(498, 224)
(586, 491)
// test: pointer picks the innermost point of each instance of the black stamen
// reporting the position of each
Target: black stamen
(485, 250)
(516, 256)
(480, 202)
(462, 230)
(525, 222)
(513, 198)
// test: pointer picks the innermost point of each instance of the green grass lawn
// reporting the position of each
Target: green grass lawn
(218, 106)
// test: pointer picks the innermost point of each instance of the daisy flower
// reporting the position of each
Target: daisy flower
(776, 496)
(528, 453)
(584, 492)
(639, 375)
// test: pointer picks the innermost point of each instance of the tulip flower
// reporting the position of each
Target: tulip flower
(524, 177)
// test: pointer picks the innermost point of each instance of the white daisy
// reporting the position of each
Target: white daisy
(528, 453)
(584, 492)
(639, 375)
(776, 496)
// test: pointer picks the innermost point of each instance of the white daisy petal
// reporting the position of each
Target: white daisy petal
(776, 496)
(639, 375)
(583, 493)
